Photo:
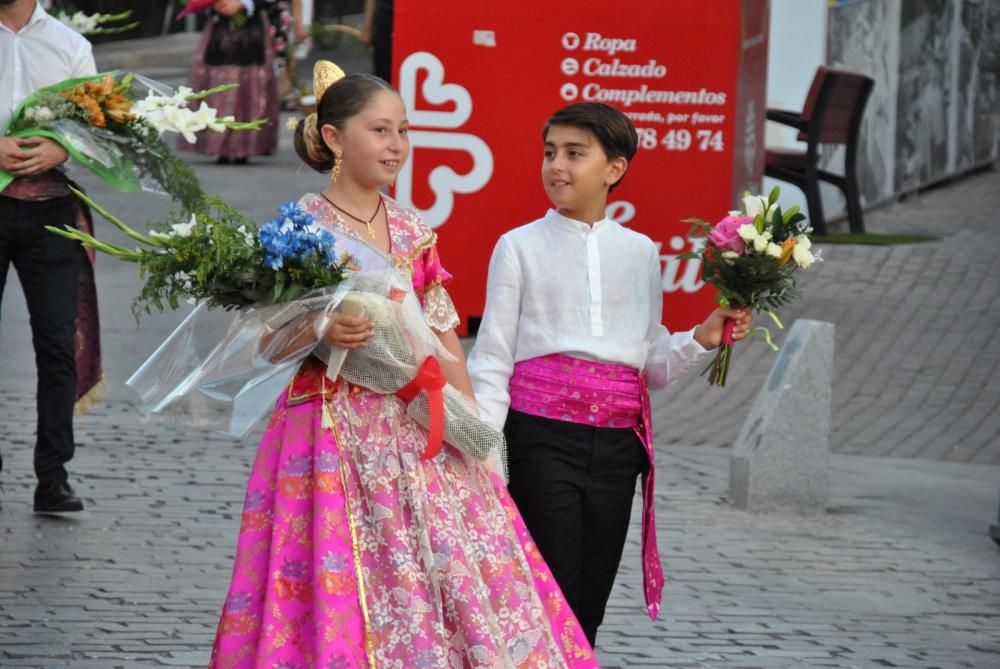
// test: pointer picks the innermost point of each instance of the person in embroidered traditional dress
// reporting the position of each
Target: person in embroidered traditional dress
(353, 551)
(572, 316)
(237, 48)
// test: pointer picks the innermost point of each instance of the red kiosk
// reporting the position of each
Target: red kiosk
(480, 79)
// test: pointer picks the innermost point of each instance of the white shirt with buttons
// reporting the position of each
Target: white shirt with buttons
(558, 285)
(42, 53)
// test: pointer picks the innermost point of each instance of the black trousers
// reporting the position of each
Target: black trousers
(48, 268)
(574, 485)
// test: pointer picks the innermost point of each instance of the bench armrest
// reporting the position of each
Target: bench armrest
(790, 118)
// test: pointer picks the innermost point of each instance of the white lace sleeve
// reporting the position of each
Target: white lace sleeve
(439, 309)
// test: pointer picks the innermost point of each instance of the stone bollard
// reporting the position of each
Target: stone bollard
(781, 458)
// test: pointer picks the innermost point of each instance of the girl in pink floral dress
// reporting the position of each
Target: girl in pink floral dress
(353, 551)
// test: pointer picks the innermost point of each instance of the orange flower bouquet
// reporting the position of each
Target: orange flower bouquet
(105, 126)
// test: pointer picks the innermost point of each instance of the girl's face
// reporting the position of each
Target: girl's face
(373, 143)
(576, 173)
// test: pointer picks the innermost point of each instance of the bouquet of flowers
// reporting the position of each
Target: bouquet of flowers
(102, 123)
(219, 257)
(96, 24)
(750, 257)
(286, 279)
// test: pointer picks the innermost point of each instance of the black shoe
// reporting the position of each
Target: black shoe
(54, 496)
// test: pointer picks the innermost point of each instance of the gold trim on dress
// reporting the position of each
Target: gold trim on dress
(358, 567)
(90, 398)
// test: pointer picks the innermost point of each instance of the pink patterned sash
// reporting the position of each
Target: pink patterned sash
(600, 394)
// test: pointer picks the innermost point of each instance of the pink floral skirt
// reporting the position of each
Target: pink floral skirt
(355, 553)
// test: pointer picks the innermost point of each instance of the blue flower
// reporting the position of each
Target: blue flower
(289, 209)
(303, 218)
(273, 261)
(292, 237)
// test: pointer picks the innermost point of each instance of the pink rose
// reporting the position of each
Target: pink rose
(725, 235)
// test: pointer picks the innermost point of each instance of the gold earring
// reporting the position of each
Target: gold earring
(336, 167)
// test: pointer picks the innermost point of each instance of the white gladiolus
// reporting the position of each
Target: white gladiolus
(171, 114)
(80, 22)
(802, 256)
(754, 204)
(186, 123)
(804, 242)
(181, 96)
(747, 232)
(205, 116)
(770, 211)
(184, 229)
(761, 243)
(773, 250)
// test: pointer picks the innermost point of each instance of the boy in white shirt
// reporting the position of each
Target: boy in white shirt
(573, 313)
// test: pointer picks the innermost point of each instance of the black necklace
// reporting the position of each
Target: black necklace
(368, 223)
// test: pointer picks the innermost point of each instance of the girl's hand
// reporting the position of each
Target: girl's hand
(709, 333)
(349, 331)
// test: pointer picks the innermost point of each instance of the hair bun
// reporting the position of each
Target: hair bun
(310, 146)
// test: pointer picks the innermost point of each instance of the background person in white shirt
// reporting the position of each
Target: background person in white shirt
(36, 50)
(573, 310)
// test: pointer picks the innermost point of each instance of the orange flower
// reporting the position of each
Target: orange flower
(99, 89)
(95, 116)
(786, 250)
(117, 107)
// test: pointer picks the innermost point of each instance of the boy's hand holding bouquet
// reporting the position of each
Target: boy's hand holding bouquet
(750, 257)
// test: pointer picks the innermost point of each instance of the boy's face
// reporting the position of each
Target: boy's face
(576, 173)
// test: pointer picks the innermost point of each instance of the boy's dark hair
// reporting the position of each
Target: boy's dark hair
(613, 129)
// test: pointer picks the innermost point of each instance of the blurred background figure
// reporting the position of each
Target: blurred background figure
(237, 48)
(377, 33)
(290, 23)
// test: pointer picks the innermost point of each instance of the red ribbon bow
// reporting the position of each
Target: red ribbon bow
(429, 378)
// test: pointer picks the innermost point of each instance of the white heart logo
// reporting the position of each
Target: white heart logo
(444, 182)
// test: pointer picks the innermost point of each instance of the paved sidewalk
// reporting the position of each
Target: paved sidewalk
(899, 573)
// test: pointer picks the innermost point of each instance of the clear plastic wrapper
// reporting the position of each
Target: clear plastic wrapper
(392, 357)
(230, 386)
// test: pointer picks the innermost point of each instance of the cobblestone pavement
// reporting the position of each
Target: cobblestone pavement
(899, 573)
